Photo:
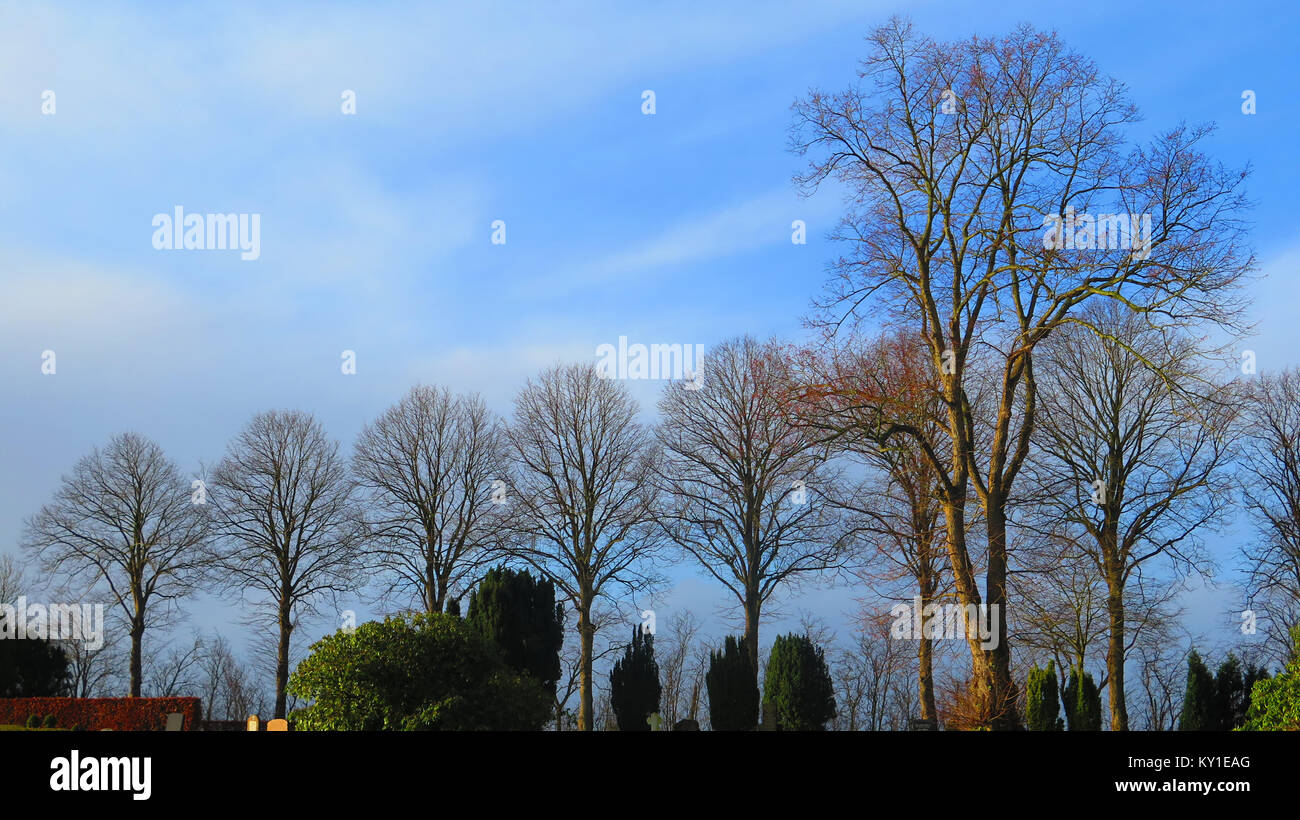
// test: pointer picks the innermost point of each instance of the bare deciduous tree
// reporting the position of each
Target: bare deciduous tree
(13, 579)
(1272, 492)
(745, 484)
(870, 674)
(126, 519)
(1133, 438)
(225, 685)
(680, 675)
(894, 516)
(429, 463)
(582, 494)
(283, 506)
(174, 673)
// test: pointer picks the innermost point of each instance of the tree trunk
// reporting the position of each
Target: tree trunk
(968, 593)
(282, 662)
(432, 590)
(924, 648)
(1001, 687)
(587, 634)
(925, 678)
(1115, 654)
(137, 646)
(753, 608)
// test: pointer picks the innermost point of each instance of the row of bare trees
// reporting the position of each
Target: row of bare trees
(783, 465)
(575, 486)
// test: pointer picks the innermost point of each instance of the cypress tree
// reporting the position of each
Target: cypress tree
(1082, 702)
(797, 693)
(519, 614)
(1198, 701)
(1229, 696)
(634, 683)
(733, 688)
(1043, 704)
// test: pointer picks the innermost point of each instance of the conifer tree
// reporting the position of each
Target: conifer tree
(1198, 702)
(634, 683)
(1082, 702)
(519, 614)
(1043, 704)
(733, 688)
(798, 694)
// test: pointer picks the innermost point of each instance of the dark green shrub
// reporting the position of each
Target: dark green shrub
(414, 672)
(732, 683)
(1042, 703)
(634, 683)
(50, 722)
(1082, 702)
(1275, 703)
(33, 721)
(1198, 699)
(518, 613)
(798, 695)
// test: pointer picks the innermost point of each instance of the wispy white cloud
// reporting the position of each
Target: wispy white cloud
(743, 227)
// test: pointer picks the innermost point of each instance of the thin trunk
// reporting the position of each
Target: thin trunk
(925, 649)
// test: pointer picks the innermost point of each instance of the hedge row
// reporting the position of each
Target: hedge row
(93, 714)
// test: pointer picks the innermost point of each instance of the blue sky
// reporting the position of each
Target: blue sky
(375, 228)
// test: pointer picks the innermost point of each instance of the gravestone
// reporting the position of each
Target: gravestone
(654, 721)
(175, 721)
(254, 723)
(278, 725)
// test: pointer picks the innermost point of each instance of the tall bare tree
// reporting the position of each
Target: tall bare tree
(582, 494)
(956, 156)
(745, 484)
(895, 514)
(283, 506)
(1272, 493)
(1134, 438)
(127, 520)
(429, 464)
